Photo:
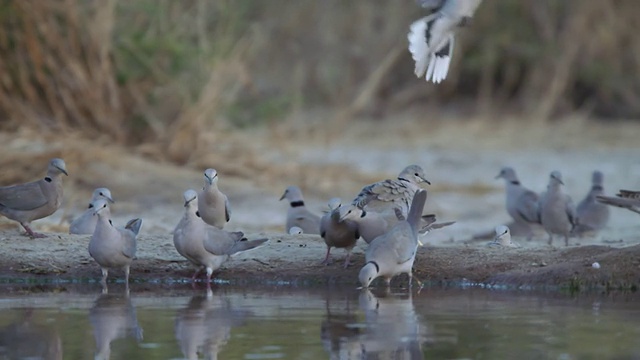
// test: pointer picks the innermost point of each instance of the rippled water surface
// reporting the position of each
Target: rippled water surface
(291, 323)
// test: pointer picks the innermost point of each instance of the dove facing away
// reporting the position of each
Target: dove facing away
(35, 200)
(626, 199)
(503, 237)
(387, 196)
(298, 214)
(557, 212)
(592, 215)
(213, 205)
(86, 223)
(337, 232)
(203, 245)
(110, 246)
(432, 38)
(522, 203)
(393, 253)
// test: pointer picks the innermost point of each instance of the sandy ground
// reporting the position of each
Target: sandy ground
(461, 160)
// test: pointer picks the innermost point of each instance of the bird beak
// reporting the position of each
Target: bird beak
(187, 202)
(498, 176)
(110, 199)
(62, 171)
(209, 180)
(558, 180)
(427, 181)
(283, 195)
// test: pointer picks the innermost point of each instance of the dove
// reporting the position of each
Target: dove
(389, 195)
(110, 246)
(592, 215)
(394, 252)
(86, 223)
(626, 199)
(337, 232)
(213, 205)
(503, 237)
(522, 204)
(295, 231)
(432, 38)
(203, 245)
(557, 212)
(35, 200)
(113, 317)
(298, 215)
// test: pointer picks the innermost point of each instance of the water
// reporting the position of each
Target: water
(290, 323)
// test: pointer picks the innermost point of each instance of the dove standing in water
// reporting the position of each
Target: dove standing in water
(592, 215)
(522, 203)
(298, 215)
(626, 199)
(387, 196)
(431, 38)
(213, 205)
(557, 212)
(110, 246)
(503, 237)
(336, 232)
(86, 223)
(203, 245)
(35, 200)
(394, 252)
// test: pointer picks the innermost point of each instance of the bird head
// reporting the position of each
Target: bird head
(368, 273)
(210, 176)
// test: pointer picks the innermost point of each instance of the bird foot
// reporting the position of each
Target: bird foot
(34, 235)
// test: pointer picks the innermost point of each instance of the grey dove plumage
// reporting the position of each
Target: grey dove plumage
(522, 204)
(592, 215)
(503, 237)
(432, 38)
(113, 317)
(110, 246)
(203, 245)
(394, 252)
(387, 196)
(626, 199)
(557, 211)
(337, 232)
(213, 205)
(35, 200)
(298, 214)
(86, 223)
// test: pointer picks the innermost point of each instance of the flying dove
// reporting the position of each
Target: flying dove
(394, 252)
(522, 203)
(337, 232)
(432, 38)
(86, 223)
(111, 246)
(557, 212)
(113, 317)
(387, 196)
(503, 237)
(371, 224)
(298, 215)
(626, 199)
(213, 205)
(35, 200)
(592, 215)
(203, 245)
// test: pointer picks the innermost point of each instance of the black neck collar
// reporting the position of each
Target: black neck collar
(47, 179)
(597, 187)
(364, 213)
(515, 182)
(297, 203)
(376, 265)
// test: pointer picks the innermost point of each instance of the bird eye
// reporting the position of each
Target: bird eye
(101, 194)
(104, 206)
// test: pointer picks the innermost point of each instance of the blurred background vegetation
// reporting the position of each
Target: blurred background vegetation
(163, 71)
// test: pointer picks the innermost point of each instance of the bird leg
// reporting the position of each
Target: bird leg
(103, 280)
(195, 274)
(347, 261)
(326, 260)
(550, 239)
(31, 233)
(126, 278)
(566, 240)
(412, 278)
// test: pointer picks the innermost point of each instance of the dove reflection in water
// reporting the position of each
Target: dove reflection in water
(113, 317)
(24, 339)
(393, 330)
(338, 334)
(204, 325)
